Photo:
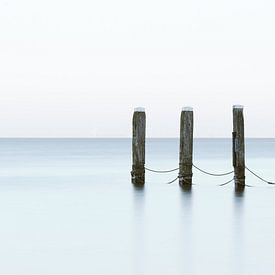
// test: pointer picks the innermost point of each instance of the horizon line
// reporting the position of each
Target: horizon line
(69, 137)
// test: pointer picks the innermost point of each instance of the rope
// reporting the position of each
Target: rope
(257, 176)
(161, 171)
(247, 185)
(212, 174)
(201, 170)
(169, 182)
(172, 180)
(223, 184)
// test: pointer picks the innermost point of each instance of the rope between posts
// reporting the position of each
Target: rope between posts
(161, 171)
(212, 174)
(201, 170)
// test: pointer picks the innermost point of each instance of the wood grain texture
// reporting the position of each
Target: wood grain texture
(138, 148)
(186, 148)
(238, 147)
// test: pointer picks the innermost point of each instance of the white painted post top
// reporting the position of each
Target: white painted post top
(237, 106)
(190, 109)
(139, 109)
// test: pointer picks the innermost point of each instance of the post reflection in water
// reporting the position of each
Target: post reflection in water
(238, 231)
(139, 230)
(186, 230)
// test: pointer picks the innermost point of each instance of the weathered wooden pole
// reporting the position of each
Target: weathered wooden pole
(186, 146)
(138, 146)
(238, 146)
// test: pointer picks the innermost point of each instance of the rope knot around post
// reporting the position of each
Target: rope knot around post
(185, 179)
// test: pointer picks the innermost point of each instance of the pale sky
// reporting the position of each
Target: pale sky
(78, 68)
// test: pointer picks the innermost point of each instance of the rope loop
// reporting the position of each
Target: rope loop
(213, 174)
(161, 171)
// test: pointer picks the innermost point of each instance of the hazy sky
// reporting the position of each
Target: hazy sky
(78, 68)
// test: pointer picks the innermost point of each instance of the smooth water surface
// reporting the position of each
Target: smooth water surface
(68, 207)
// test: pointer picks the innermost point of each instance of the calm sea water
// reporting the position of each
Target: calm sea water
(67, 206)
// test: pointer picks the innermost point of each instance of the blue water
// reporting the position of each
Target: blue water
(68, 207)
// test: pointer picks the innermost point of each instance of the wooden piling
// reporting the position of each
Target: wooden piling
(238, 146)
(138, 146)
(186, 146)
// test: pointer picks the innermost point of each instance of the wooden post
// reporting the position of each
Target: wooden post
(186, 146)
(238, 146)
(138, 146)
